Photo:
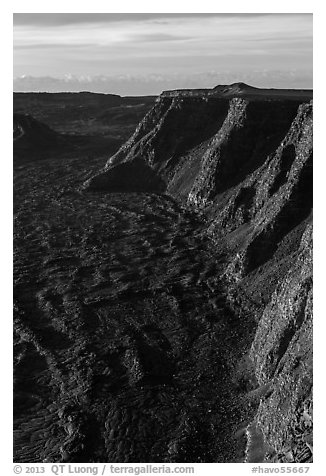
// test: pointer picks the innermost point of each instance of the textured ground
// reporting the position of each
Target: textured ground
(103, 115)
(242, 157)
(137, 338)
(125, 349)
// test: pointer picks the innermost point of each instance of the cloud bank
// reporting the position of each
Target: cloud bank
(155, 84)
(160, 50)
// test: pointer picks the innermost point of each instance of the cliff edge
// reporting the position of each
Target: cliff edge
(242, 158)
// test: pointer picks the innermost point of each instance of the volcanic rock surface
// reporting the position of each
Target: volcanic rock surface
(84, 113)
(32, 135)
(169, 320)
(241, 157)
(73, 124)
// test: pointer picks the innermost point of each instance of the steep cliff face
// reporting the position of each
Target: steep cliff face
(282, 354)
(243, 159)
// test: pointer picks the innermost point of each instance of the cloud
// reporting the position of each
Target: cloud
(153, 37)
(44, 46)
(59, 19)
(140, 44)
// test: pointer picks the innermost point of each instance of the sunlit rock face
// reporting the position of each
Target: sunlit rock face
(242, 159)
(282, 353)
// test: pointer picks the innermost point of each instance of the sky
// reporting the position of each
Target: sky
(134, 54)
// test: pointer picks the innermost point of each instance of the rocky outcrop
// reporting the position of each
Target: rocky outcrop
(241, 89)
(282, 353)
(26, 126)
(33, 138)
(242, 158)
(133, 176)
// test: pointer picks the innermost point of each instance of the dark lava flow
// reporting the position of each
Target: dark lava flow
(125, 349)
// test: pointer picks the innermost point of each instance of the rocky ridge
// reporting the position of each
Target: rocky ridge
(25, 126)
(242, 159)
(34, 138)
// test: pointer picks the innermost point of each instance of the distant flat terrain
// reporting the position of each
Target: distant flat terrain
(85, 113)
(74, 123)
(244, 91)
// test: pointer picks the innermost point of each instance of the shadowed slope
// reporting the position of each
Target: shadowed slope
(242, 157)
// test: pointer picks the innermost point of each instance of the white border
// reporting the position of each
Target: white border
(168, 6)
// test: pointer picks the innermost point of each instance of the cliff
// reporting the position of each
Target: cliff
(242, 158)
